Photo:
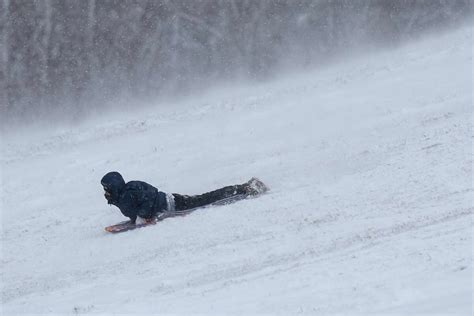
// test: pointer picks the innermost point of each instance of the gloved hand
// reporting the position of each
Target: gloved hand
(141, 220)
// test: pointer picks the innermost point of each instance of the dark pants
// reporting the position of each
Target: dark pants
(226, 195)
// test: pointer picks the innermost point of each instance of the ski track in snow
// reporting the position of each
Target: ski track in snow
(370, 210)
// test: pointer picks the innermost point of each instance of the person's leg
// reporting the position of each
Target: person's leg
(229, 194)
(186, 202)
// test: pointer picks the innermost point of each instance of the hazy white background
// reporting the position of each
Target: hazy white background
(369, 162)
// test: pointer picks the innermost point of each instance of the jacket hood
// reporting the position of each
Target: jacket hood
(113, 183)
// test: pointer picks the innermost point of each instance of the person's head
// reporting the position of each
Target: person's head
(113, 184)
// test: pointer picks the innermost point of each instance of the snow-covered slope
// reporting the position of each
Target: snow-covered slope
(370, 168)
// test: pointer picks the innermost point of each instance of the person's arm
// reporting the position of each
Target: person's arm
(128, 205)
(145, 203)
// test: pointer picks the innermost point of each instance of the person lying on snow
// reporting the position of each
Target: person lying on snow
(138, 199)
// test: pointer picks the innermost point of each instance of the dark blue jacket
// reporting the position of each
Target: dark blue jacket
(135, 198)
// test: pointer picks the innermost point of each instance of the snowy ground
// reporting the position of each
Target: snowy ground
(370, 210)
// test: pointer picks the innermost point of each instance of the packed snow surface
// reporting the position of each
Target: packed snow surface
(369, 162)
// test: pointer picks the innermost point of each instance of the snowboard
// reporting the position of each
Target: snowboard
(126, 226)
